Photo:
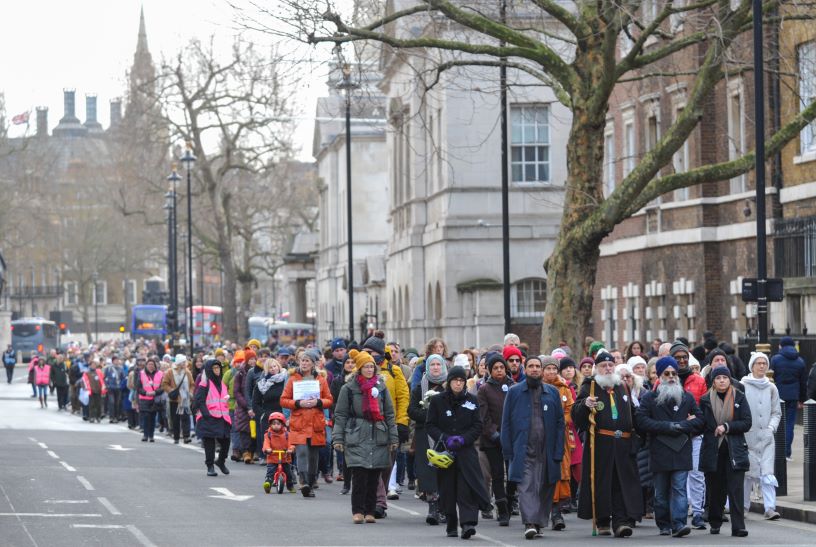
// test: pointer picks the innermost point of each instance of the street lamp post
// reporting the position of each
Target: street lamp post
(759, 121)
(505, 185)
(188, 158)
(349, 86)
(96, 307)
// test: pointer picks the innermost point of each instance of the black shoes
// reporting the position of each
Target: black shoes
(379, 512)
(222, 467)
(211, 471)
(739, 533)
(682, 532)
(468, 530)
(558, 523)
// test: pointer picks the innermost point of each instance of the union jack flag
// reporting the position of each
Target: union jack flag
(20, 119)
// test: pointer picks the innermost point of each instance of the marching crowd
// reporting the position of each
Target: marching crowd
(620, 437)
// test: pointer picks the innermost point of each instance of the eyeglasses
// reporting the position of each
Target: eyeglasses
(681, 357)
(669, 374)
(514, 360)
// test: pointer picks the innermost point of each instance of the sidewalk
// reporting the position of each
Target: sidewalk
(793, 507)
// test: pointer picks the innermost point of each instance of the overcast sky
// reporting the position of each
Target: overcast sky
(49, 45)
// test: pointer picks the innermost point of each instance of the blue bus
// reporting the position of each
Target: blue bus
(34, 334)
(148, 320)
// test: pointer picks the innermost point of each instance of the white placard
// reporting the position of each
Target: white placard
(305, 389)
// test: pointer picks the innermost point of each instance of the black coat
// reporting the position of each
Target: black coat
(491, 404)
(656, 423)
(265, 404)
(449, 416)
(736, 429)
(207, 426)
(426, 475)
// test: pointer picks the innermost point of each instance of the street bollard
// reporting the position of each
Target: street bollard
(810, 450)
(780, 463)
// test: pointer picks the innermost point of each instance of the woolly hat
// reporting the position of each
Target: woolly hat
(249, 354)
(338, 343)
(375, 344)
(636, 360)
(676, 346)
(314, 353)
(239, 356)
(510, 351)
(623, 366)
(558, 353)
(547, 360)
(493, 358)
(595, 346)
(710, 344)
(180, 359)
(786, 341)
(665, 362)
(456, 372)
(565, 362)
(461, 360)
(586, 360)
(254, 342)
(220, 352)
(754, 356)
(715, 352)
(720, 371)
(361, 358)
(411, 352)
(602, 356)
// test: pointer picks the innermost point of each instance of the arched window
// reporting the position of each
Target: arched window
(528, 298)
(429, 308)
(438, 304)
(406, 306)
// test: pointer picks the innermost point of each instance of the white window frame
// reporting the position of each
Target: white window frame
(609, 159)
(680, 159)
(127, 286)
(104, 291)
(532, 285)
(629, 143)
(522, 114)
(736, 131)
(71, 293)
(806, 64)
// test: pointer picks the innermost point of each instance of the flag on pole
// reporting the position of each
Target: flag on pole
(20, 119)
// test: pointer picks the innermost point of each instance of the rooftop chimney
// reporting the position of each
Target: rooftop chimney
(42, 121)
(115, 112)
(69, 125)
(90, 114)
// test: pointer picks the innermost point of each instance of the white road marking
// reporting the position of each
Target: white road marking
(53, 515)
(109, 506)
(68, 467)
(489, 539)
(85, 483)
(398, 508)
(43, 446)
(227, 495)
(118, 447)
(19, 520)
(53, 454)
(67, 501)
(32, 439)
(140, 537)
(103, 526)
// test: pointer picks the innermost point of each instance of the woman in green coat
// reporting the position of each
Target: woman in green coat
(365, 431)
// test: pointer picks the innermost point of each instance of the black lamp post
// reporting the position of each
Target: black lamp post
(759, 133)
(505, 185)
(96, 306)
(349, 86)
(172, 243)
(188, 158)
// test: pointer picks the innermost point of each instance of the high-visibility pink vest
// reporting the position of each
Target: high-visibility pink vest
(217, 402)
(43, 375)
(150, 385)
(86, 381)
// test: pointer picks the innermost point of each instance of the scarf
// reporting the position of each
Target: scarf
(371, 406)
(180, 377)
(429, 378)
(723, 409)
(270, 380)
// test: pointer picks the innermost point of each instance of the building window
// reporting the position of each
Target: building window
(736, 132)
(609, 160)
(530, 143)
(650, 11)
(680, 161)
(628, 147)
(100, 294)
(130, 291)
(528, 298)
(806, 57)
(71, 293)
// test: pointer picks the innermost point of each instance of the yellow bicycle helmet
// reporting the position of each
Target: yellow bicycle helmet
(440, 460)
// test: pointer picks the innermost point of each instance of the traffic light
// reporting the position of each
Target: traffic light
(63, 328)
(122, 329)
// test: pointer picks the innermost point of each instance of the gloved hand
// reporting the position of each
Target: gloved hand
(403, 432)
(495, 437)
(454, 443)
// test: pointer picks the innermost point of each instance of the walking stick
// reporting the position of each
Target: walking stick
(592, 459)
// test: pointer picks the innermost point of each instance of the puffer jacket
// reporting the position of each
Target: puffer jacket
(306, 423)
(763, 398)
(790, 374)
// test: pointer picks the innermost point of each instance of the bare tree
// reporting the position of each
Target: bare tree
(235, 115)
(584, 51)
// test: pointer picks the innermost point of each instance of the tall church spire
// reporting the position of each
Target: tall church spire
(141, 44)
(141, 94)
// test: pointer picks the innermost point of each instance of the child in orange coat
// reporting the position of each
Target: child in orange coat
(278, 450)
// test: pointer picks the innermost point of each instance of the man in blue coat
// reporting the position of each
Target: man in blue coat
(790, 377)
(532, 438)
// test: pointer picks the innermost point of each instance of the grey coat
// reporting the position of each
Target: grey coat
(763, 398)
(366, 444)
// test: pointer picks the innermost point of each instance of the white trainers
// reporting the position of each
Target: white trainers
(772, 515)
(392, 495)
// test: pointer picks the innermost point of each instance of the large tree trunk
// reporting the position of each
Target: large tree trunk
(573, 264)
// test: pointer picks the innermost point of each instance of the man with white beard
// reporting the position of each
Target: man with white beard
(610, 492)
(670, 417)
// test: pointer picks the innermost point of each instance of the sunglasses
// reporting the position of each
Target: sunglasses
(669, 374)
(514, 360)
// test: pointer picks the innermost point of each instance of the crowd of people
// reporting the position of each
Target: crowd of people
(619, 437)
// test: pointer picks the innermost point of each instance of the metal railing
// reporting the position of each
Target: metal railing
(39, 291)
(795, 247)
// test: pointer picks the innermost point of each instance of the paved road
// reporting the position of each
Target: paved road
(66, 482)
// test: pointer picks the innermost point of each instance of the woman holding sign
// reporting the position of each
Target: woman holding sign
(306, 394)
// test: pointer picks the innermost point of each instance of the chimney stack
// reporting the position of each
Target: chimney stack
(90, 114)
(69, 125)
(42, 121)
(115, 112)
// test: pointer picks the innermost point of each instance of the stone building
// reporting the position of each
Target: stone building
(675, 268)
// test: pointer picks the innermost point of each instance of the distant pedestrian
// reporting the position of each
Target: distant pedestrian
(59, 379)
(9, 361)
(114, 372)
(790, 377)
(177, 383)
(148, 386)
(213, 421)
(42, 379)
(93, 381)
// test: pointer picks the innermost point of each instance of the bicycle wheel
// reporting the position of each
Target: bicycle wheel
(281, 485)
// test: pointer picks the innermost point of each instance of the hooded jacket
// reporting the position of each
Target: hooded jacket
(790, 374)
(763, 399)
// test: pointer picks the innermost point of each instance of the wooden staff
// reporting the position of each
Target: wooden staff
(592, 412)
